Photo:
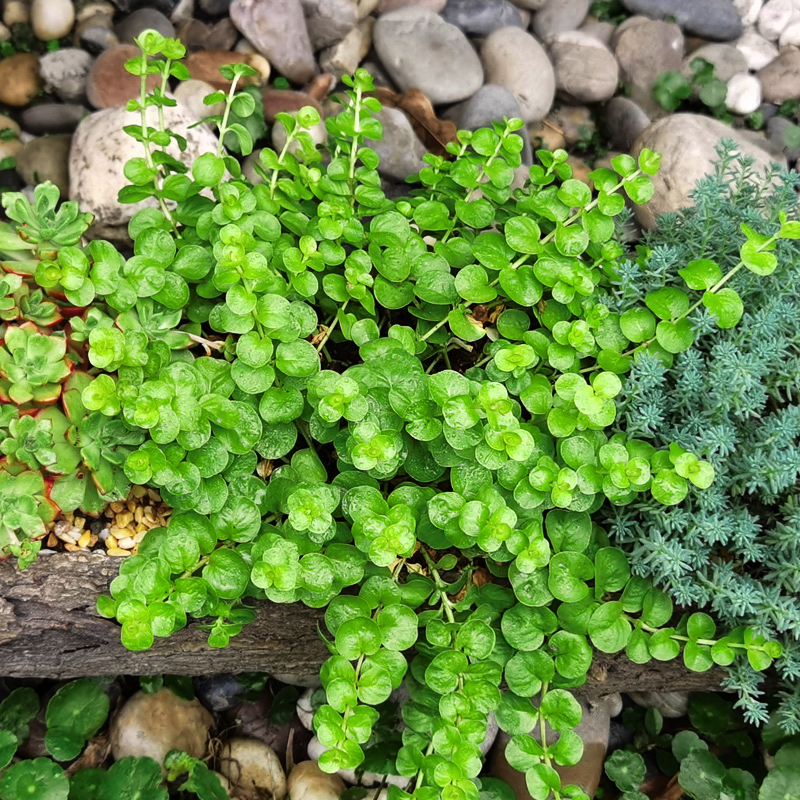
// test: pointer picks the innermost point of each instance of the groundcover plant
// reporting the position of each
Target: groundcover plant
(400, 409)
(731, 397)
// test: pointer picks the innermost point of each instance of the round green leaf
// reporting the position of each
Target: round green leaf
(227, 573)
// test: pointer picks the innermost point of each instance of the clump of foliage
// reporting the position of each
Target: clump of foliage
(731, 398)
(410, 399)
(74, 714)
(719, 756)
(609, 11)
(54, 454)
(673, 88)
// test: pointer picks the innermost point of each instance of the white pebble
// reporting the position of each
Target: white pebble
(773, 18)
(791, 34)
(744, 93)
(52, 19)
(756, 49)
(748, 10)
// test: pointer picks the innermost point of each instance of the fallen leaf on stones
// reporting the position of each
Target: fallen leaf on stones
(433, 132)
(94, 754)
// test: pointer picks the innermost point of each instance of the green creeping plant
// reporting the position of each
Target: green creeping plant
(74, 714)
(735, 768)
(410, 399)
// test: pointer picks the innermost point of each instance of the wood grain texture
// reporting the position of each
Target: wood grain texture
(49, 628)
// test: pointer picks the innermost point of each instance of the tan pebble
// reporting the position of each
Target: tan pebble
(123, 520)
(117, 531)
(127, 543)
(138, 491)
(52, 540)
(7, 122)
(16, 12)
(79, 522)
(132, 505)
(115, 551)
(90, 9)
(261, 66)
(545, 137)
(111, 542)
(85, 539)
(154, 495)
(205, 65)
(117, 507)
(71, 548)
(142, 528)
(580, 169)
(93, 538)
(366, 7)
(10, 148)
(366, 26)
(138, 514)
(139, 536)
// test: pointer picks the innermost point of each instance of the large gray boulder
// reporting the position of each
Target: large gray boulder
(687, 143)
(100, 150)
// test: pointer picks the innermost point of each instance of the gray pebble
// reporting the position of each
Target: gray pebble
(328, 21)
(215, 8)
(711, 19)
(776, 131)
(422, 51)
(65, 72)
(52, 118)
(481, 17)
(624, 121)
(726, 59)
(140, 20)
(557, 16)
(586, 70)
(644, 51)
(46, 158)
(219, 692)
(400, 150)
(490, 104)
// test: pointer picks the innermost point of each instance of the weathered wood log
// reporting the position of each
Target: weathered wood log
(49, 628)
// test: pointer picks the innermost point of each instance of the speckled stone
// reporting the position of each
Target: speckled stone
(277, 29)
(687, 143)
(515, 60)
(780, 80)
(422, 51)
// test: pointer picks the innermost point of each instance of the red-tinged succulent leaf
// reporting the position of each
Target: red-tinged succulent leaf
(25, 268)
(71, 395)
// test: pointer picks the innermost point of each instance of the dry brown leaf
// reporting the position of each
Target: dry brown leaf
(674, 791)
(481, 577)
(93, 755)
(496, 312)
(433, 132)
(320, 335)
